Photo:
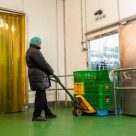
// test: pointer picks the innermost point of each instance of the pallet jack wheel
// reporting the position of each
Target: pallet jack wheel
(77, 112)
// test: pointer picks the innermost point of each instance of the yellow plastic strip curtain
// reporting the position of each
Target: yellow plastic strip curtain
(12, 62)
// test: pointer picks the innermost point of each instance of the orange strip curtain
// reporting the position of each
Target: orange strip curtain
(12, 62)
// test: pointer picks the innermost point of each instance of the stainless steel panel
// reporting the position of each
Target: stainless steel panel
(129, 102)
(127, 36)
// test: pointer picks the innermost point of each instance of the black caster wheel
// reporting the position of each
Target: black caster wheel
(77, 112)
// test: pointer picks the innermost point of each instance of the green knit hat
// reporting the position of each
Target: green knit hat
(34, 41)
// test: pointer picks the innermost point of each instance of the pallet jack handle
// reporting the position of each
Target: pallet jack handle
(74, 100)
(78, 109)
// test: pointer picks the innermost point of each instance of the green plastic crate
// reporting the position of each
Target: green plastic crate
(103, 74)
(104, 101)
(81, 76)
(89, 76)
(99, 102)
(95, 90)
(100, 88)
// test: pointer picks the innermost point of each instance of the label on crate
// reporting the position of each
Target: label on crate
(107, 99)
(79, 88)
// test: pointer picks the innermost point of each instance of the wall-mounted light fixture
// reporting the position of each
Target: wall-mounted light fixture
(99, 15)
(98, 12)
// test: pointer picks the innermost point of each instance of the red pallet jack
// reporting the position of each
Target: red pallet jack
(79, 103)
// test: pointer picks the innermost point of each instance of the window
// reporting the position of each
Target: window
(104, 49)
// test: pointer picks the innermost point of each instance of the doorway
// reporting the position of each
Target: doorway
(12, 62)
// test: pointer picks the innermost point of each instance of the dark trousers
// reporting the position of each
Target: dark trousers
(40, 104)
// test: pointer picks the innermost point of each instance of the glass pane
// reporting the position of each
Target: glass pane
(105, 49)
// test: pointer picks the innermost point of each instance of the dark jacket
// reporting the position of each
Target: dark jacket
(38, 69)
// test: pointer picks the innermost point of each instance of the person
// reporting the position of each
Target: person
(38, 73)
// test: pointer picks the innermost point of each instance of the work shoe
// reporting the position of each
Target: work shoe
(39, 118)
(52, 115)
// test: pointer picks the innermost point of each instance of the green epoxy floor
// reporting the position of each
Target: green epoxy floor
(20, 124)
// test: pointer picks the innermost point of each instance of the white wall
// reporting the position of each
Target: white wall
(75, 57)
(127, 8)
(110, 11)
(12, 4)
(79, 18)
(41, 21)
(44, 18)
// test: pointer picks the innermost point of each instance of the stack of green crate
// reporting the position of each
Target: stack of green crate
(97, 87)
(105, 99)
